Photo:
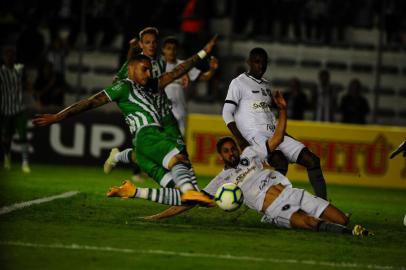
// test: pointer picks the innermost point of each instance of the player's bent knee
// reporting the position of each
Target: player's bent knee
(179, 158)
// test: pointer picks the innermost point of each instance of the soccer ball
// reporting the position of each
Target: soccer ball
(229, 197)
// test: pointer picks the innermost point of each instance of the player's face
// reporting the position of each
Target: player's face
(140, 72)
(149, 44)
(258, 65)
(169, 52)
(230, 154)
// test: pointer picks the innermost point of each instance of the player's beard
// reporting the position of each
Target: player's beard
(234, 160)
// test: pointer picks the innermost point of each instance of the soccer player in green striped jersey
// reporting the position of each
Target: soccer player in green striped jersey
(12, 108)
(135, 96)
(148, 44)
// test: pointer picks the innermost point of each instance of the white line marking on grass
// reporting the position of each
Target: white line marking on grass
(203, 255)
(16, 206)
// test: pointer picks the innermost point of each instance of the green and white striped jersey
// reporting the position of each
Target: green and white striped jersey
(158, 67)
(11, 90)
(137, 103)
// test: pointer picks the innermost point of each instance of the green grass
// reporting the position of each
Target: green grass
(91, 219)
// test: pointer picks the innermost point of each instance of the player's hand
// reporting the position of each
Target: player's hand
(210, 45)
(41, 120)
(185, 81)
(213, 63)
(151, 218)
(279, 100)
(134, 43)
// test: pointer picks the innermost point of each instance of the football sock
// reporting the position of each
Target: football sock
(169, 196)
(325, 226)
(124, 156)
(182, 177)
(317, 181)
(194, 179)
(24, 153)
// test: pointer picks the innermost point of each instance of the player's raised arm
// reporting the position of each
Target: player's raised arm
(168, 77)
(94, 101)
(277, 138)
(213, 66)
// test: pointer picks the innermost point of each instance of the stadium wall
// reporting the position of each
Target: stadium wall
(350, 154)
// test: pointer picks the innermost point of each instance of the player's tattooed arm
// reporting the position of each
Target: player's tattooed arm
(277, 137)
(170, 212)
(168, 77)
(92, 102)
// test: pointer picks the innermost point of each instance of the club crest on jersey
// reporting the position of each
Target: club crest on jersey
(244, 162)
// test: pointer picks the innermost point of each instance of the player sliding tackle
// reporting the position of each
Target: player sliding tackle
(139, 98)
(266, 191)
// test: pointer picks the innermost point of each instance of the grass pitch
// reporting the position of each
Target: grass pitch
(91, 231)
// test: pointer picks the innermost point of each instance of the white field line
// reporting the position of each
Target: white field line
(16, 206)
(203, 255)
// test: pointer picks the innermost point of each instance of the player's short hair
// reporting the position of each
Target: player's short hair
(222, 141)
(148, 30)
(260, 52)
(138, 58)
(171, 40)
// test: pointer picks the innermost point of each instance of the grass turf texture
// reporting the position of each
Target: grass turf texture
(92, 219)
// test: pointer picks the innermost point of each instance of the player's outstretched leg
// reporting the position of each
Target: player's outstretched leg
(302, 220)
(126, 190)
(111, 161)
(334, 215)
(183, 177)
(316, 178)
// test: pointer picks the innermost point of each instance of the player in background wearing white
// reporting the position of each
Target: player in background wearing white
(247, 114)
(175, 90)
(267, 191)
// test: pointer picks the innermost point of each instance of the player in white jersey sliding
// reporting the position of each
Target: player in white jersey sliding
(264, 190)
(175, 91)
(247, 114)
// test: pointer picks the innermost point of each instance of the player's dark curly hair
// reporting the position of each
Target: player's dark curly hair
(171, 40)
(259, 51)
(222, 141)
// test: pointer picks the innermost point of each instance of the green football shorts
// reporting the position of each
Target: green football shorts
(154, 149)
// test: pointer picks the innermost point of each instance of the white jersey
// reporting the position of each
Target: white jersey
(251, 177)
(253, 99)
(176, 95)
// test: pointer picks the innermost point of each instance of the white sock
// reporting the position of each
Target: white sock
(124, 156)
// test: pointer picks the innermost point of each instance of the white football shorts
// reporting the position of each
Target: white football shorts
(289, 202)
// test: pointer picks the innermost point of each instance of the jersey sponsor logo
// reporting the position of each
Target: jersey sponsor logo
(263, 183)
(240, 178)
(286, 207)
(261, 106)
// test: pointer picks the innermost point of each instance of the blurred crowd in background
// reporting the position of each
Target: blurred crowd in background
(22, 25)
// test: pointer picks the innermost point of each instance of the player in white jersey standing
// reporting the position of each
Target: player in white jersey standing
(175, 91)
(247, 114)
